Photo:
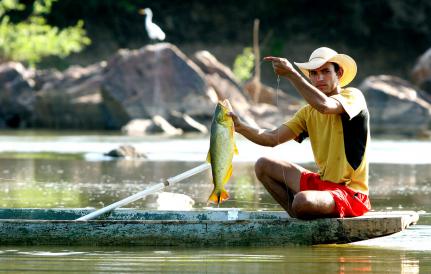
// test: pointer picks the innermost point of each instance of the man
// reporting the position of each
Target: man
(336, 120)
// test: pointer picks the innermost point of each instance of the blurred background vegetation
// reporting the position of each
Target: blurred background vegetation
(385, 37)
(31, 38)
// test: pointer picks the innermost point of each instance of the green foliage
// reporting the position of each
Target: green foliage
(244, 64)
(32, 39)
(6, 5)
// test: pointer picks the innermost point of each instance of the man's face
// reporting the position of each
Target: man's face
(325, 78)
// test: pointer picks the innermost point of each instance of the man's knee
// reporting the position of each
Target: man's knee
(306, 205)
(261, 167)
(302, 205)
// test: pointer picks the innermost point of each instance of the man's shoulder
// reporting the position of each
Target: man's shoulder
(353, 95)
(351, 91)
(352, 100)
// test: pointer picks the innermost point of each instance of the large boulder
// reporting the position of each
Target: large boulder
(209, 64)
(155, 80)
(17, 96)
(225, 85)
(274, 106)
(421, 72)
(155, 89)
(395, 106)
(71, 99)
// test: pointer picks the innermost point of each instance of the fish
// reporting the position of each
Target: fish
(221, 151)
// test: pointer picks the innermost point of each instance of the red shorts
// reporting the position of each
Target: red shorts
(349, 203)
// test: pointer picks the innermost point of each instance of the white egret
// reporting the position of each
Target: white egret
(154, 31)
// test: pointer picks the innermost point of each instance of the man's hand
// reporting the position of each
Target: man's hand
(281, 66)
(236, 121)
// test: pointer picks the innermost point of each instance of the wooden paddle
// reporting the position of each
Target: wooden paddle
(149, 190)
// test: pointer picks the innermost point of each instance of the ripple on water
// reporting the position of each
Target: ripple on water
(415, 238)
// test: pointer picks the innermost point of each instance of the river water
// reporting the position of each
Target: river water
(45, 169)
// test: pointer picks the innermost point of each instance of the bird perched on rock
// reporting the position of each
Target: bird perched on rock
(154, 31)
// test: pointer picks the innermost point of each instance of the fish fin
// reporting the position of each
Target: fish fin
(218, 198)
(214, 198)
(223, 196)
(235, 149)
(209, 157)
(228, 174)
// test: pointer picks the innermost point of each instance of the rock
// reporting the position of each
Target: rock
(269, 95)
(73, 100)
(273, 107)
(395, 106)
(42, 77)
(126, 151)
(165, 126)
(421, 72)
(155, 80)
(17, 97)
(209, 64)
(174, 201)
(268, 116)
(186, 122)
(223, 82)
(140, 127)
(426, 86)
(226, 90)
(139, 84)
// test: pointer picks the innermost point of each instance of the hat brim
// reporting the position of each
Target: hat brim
(343, 60)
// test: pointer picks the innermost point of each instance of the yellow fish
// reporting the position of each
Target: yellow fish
(222, 148)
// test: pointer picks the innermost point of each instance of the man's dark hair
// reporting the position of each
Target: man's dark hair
(336, 67)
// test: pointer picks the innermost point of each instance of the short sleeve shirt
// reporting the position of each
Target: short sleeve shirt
(339, 141)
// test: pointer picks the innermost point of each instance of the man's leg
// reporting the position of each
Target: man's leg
(282, 180)
(311, 204)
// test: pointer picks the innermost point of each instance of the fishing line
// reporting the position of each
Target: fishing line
(278, 132)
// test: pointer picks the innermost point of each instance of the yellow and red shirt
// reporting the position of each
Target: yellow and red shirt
(339, 141)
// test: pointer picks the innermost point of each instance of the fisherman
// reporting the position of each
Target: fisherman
(336, 121)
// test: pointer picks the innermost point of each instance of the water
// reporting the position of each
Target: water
(40, 169)
(215, 260)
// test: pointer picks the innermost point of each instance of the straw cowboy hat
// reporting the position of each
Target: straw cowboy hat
(323, 55)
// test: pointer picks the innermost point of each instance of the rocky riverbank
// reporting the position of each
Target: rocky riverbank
(158, 89)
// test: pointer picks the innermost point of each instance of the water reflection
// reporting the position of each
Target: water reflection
(398, 187)
(409, 265)
(71, 181)
(214, 260)
(79, 183)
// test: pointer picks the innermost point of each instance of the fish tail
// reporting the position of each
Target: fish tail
(214, 198)
(218, 197)
(223, 196)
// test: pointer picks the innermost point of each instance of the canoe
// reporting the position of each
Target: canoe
(225, 227)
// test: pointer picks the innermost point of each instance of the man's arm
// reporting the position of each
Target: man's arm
(263, 137)
(317, 99)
